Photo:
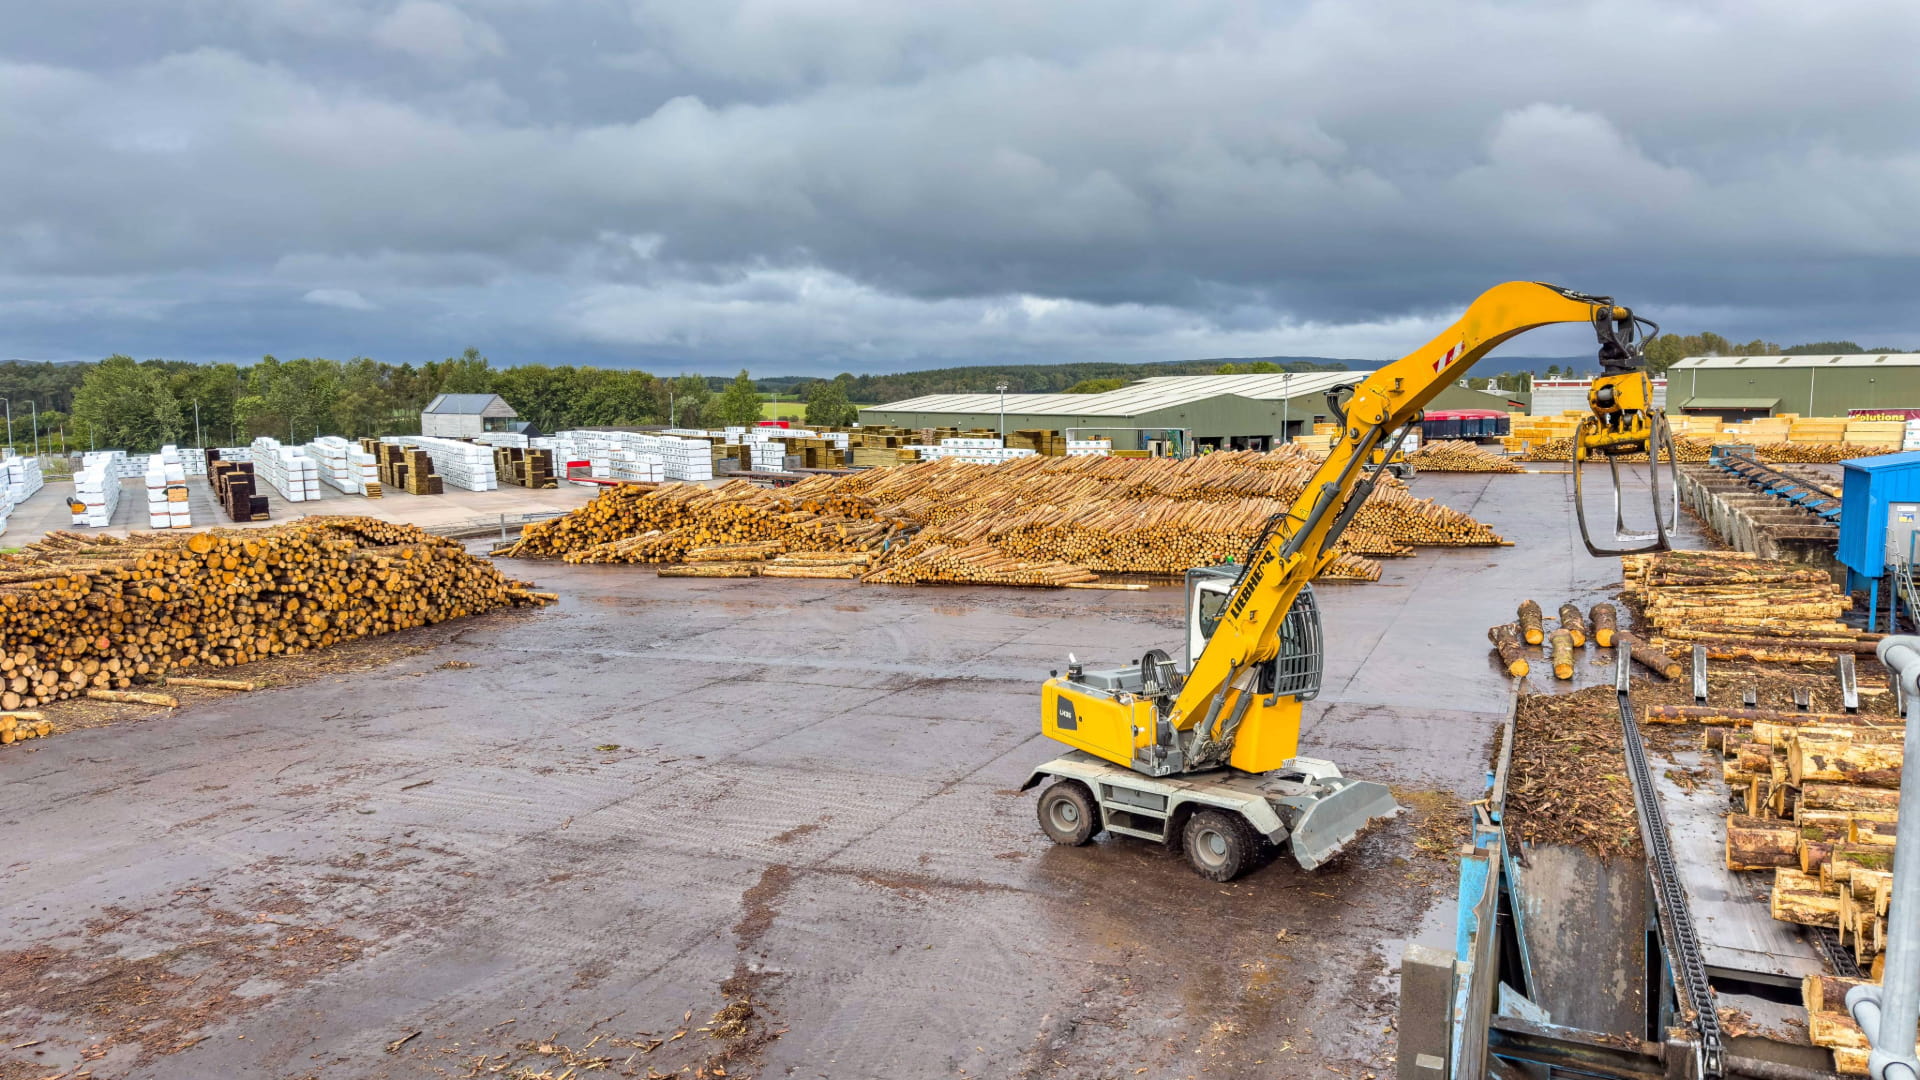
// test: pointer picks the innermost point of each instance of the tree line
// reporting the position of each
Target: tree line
(140, 405)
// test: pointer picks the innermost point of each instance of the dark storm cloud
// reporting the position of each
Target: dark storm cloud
(865, 183)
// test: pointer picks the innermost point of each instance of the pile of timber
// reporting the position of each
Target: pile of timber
(1817, 453)
(1830, 1025)
(1687, 451)
(82, 612)
(1457, 455)
(20, 726)
(1741, 607)
(1576, 628)
(1822, 792)
(1092, 514)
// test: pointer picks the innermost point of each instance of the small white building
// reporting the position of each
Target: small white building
(463, 416)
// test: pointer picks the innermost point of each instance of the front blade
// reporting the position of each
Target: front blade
(1333, 820)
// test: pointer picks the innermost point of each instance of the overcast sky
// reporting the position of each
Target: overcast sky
(811, 186)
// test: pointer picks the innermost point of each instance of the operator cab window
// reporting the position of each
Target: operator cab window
(1212, 606)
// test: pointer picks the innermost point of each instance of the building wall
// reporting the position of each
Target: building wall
(1456, 396)
(1551, 397)
(1222, 417)
(1808, 391)
(450, 425)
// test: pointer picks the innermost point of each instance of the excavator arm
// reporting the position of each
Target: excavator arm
(1212, 707)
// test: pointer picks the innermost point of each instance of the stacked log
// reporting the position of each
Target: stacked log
(21, 726)
(1822, 798)
(1455, 455)
(1688, 451)
(83, 613)
(1830, 1025)
(1741, 607)
(1097, 514)
(1817, 453)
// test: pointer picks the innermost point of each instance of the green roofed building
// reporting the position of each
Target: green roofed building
(1743, 387)
(1240, 412)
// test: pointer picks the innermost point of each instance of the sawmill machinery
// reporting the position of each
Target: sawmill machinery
(1202, 751)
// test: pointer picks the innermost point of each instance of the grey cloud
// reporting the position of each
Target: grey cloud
(812, 185)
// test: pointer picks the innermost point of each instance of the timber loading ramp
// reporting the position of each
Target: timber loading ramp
(1569, 964)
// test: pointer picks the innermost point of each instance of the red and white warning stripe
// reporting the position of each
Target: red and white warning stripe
(1452, 354)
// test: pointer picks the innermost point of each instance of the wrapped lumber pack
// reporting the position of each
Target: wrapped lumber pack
(166, 485)
(83, 612)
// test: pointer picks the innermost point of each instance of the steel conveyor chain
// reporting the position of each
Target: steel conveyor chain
(1683, 944)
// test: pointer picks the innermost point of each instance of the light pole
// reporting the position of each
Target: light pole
(9, 402)
(198, 442)
(1002, 387)
(35, 406)
(1286, 406)
(670, 422)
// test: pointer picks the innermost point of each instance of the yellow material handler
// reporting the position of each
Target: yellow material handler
(1203, 752)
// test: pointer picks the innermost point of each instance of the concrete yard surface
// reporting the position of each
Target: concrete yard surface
(738, 827)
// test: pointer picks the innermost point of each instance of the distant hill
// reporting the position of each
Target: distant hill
(1038, 378)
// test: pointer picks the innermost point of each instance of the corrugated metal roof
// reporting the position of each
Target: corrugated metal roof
(469, 404)
(1764, 363)
(1147, 395)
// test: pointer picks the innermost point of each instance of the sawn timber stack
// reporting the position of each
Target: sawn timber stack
(105, 613)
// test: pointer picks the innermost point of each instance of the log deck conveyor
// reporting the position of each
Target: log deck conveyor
(1566, 964)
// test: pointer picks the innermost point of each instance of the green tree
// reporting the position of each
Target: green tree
(1256, 367)
(1101, 386)
(739, 406)
(692, 402)
(827, 406)
(125, 405)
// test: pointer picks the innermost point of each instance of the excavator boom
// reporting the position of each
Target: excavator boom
(1254, 632)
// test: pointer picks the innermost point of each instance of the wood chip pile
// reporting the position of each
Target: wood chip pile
(1458, 455)
(1042, 521)
(81, 612)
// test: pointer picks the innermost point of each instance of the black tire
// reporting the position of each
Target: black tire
(1067, 813)
(1220, 845)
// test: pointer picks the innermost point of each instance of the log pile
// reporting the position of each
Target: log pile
(105, 613)
(1821, 796)
(1817, 453)
(1830, 1025)
(20, 726)
(1741, 607)
(1688, 451)
(1015, 523)
(1454, 455)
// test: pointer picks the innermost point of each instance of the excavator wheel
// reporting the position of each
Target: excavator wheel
(1067, 813)
(1220, 844)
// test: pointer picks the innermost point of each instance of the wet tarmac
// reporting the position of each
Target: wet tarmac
(781, 817)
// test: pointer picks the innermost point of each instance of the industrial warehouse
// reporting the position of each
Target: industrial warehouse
(610, 751)
(1237, 412)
